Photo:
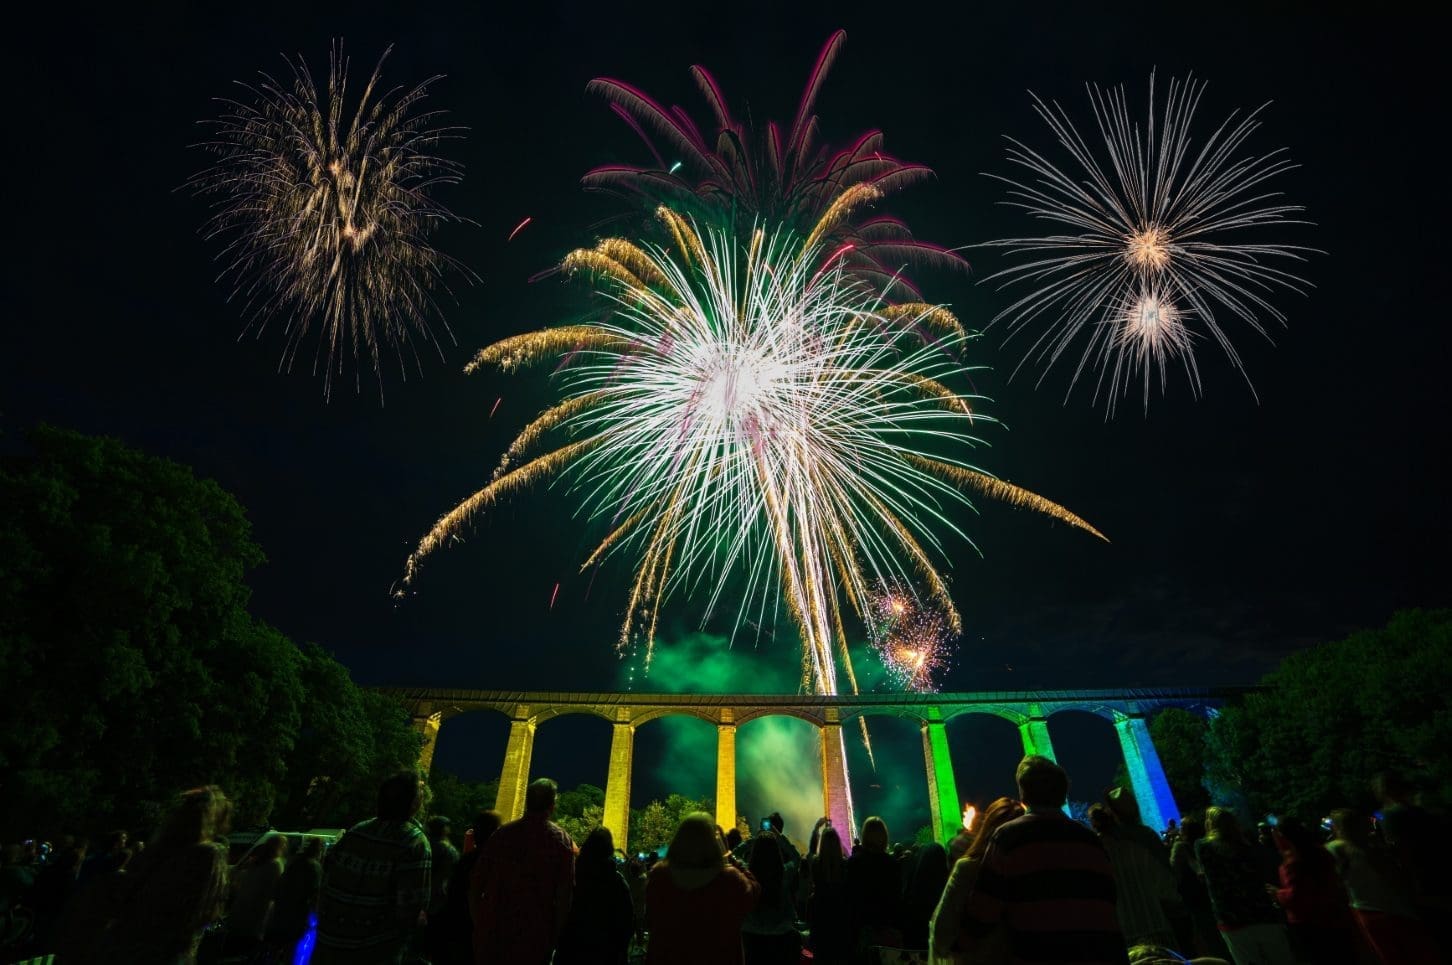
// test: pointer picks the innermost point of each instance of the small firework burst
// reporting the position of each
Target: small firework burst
(326, 213)
(913, 639)
(1146, 236)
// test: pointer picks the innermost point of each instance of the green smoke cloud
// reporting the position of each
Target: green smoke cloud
(778, 759)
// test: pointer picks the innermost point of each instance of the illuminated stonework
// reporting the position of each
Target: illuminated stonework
(1128, 710)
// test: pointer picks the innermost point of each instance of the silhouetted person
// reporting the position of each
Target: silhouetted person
(527, 870)
(924, 890)
(874, 888)
(1313, 898)
(829, 908)
(769, 934)
(253, 889)
(56, 885)
(1144, 886)
(602, 917)
(1379, 893)
(1047, 880)
(1421, 842)
(696, 899)
(946, 927)
(442, 858)
(175, 888)
(376, 881)
(1205, 936)
(297, 897)
(1250, 925)
(451, 930)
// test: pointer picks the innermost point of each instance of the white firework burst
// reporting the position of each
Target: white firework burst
(751, 409)
(1164, 240)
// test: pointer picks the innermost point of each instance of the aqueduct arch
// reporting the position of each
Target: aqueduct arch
(1029, 711)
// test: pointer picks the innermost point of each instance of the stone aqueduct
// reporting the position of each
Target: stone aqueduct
(1128, 710)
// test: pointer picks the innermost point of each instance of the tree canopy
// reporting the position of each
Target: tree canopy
(130, 667)
(1329, 719)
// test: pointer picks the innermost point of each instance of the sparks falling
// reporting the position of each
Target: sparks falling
(913, 638)
(743, 410)
(326, 211)
(1157, 241)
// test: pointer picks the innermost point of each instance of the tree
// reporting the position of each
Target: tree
(460, 800)
(1330, 718)
(129, 666)
(1179, 738)
(653, 826)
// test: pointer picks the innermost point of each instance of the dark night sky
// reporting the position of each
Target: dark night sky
(1241, 529)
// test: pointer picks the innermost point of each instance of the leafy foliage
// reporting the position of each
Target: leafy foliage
(1331, 718)
(1179, 737)
(130, 668)
(653, 826)
(459, 800)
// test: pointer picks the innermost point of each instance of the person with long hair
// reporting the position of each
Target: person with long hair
(947, 922)
(769, 934)
(874, 886)
(1250, 924)
(297, 897)
(175, 888)
(602, 918)
(1313, 898)
(697, 898)
(829, 910)
(923, 891)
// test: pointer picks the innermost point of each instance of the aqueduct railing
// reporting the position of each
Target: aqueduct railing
(1128, 710)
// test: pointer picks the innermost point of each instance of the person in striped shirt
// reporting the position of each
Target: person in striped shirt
(1046, 880)
(376, 881)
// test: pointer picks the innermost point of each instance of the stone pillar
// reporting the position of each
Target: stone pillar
(836, 794)
(726, 771)
(515, 776)
(428, 727)
(942, 786)
(1035, 734)
(617, 784)
(1146, 775)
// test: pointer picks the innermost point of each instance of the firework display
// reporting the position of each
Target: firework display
(325, 210)
(1150, 243)
(911, 637)
(751, 409)
(776, 175)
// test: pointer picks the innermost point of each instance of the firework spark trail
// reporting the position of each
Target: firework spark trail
(750, 412)
(782, 175)
(1156, 241)
(744, 409)
(326, 215)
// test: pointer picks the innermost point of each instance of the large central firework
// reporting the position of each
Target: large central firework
(747, 408)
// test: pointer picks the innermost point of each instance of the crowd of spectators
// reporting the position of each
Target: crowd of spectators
(1026, 884)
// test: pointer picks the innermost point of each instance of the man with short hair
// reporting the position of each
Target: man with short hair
(376, 881)
(528, 873)
(1047, 880)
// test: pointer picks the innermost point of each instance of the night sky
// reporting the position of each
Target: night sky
(1241, 528)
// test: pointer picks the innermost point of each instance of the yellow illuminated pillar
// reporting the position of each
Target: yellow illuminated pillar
(617, 784)
(515, 776)
(726, 772)
(428, 728)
